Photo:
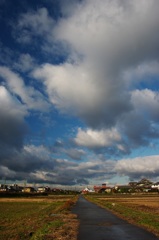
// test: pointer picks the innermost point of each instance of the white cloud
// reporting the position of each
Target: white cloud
(146, 102)
(95, 139)
(78, 89)
(29, 96)
(139, 166)
(70, 86)
(32, 24)
(111, 37)
(38, 151)
(115, 28)
(25, 63)
(142, 72)
(10, 106)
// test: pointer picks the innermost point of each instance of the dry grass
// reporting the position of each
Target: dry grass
(39, 199)
(68, 231)
(150, 203)
(142, 210)
(38, 218)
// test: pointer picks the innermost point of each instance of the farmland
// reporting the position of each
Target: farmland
(49, 217)
(38, 218)
(141, 210)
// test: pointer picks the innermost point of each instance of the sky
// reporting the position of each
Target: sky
(79, 91)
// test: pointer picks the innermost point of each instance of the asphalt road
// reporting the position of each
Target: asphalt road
(97, 223)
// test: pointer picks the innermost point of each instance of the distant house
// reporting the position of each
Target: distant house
(103, 188)
(87, 190)
(155, 185)
(144, 182)
(43, 189)
(28, 189)
(3, 188)
(108, 190)
(10, 188)
(144, 185)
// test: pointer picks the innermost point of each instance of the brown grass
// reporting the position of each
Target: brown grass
(49, 198)
(142, 210)
(68, 231)
(150, 203)
(38, 218)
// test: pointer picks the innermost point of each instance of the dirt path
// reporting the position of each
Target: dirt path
(99, 224)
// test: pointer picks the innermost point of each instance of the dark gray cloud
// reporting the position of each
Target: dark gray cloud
(12, 124)
(36, 165)
(12, 132)
(138, 130)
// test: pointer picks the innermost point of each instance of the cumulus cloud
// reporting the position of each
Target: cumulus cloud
(76, 88)
(116, 29)
(25, 63)
(33, 24)
(139, 167)
(106, 77)
(94, 139)
(36, 30)
(32, 98)
(142, 73)
(94, 86)
(146, 102)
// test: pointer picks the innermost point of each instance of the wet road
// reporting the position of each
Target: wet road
(99, 224)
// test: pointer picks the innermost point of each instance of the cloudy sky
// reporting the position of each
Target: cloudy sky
(79, 91)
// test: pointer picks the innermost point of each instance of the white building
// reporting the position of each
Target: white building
(155, 185)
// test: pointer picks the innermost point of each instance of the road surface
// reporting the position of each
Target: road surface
(97, 223)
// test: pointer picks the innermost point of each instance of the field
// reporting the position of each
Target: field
(141, 210)
(41, 218)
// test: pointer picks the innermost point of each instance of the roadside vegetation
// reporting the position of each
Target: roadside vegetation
(141, 210)
(38, 218)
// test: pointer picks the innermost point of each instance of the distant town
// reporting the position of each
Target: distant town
(142, 186)
(15, 188)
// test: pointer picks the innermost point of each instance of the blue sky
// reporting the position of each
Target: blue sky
(79, 99)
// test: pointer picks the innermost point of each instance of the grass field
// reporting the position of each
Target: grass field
(142, 210)
(39, 218)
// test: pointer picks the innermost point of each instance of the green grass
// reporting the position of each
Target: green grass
(46, 229)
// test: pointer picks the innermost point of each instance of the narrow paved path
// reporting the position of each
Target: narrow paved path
(99, 224)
